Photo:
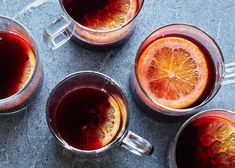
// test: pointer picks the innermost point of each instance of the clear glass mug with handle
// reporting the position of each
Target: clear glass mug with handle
(215, 142)
(22, 99)
(65, 27)
(91, 79)
(223, 73)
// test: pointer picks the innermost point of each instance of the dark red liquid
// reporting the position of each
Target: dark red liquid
(14, 55)
(80, 115)
(207, 142)
(77, 9)
(96, 14)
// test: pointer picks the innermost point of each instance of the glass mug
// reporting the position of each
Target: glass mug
(23, 97)
(224, 73)
(65, 27)
(218, 155)
(91, 79)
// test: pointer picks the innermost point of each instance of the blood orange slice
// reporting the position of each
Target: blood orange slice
(27, 71)
(111, 15)
(101, 133)
(216, 142)
(173, 71)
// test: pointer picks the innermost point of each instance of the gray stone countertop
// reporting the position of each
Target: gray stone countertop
(25, 140)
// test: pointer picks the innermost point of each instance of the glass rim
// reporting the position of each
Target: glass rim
(119, 136)
(193, 118)
(102, 31)
(183, 111)
(36, 55)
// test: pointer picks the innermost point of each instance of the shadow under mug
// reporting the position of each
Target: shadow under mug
(23, 97)
(65, 27)
(224, 73)
(221, 113)
(124, 137)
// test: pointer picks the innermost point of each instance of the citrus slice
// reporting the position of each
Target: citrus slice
(99, 134)
(216, 142)
(111, 15)
(112, 122)
(173, 71)
(27, 69)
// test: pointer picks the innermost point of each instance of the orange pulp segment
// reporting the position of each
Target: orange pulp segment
(173, 72)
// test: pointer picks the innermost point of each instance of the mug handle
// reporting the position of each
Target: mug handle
(57, 33)
(229, 76)
(137, 144)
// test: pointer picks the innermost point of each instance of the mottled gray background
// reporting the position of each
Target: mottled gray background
(25, 140)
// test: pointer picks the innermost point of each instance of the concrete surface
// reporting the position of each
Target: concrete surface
(25, 140)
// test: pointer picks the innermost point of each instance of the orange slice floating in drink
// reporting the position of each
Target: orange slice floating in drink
(101, 133)
(113, 14)
(27, 72)
(173, 72)
(112, 122)
(216, 142)
(28, 68)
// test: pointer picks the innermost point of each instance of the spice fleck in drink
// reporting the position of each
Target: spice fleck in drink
(17, 63)
(88, 118)
(207, 142)
(176, 71)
